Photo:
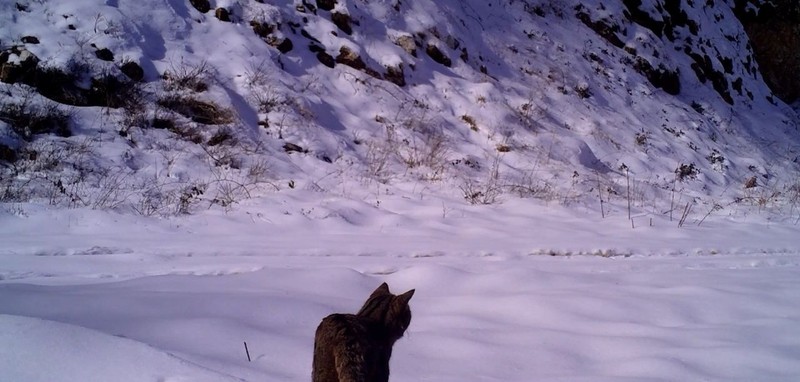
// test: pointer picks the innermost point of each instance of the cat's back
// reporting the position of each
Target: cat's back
(340, 326)
(340, 344)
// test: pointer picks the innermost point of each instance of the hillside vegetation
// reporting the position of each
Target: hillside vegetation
(163, 107)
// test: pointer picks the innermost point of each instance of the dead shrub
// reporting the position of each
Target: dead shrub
(686, 171)
(187, 133)
(187, 76)
(28, 118)
(476, 192)
(203, 112)
(223, 136)
(470, 121)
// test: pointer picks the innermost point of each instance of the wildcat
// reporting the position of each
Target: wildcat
(357, 347)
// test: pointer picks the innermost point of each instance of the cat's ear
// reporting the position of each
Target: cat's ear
(405, 297)
(383, 289)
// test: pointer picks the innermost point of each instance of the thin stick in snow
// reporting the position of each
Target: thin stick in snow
(600, 194)
(247, 351)
(672, 202)
(714, 207)
(628, 181)
(624, 167)
(685, 214)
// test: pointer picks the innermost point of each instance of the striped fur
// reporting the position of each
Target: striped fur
(357, 347)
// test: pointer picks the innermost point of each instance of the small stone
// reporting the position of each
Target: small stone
(291, 147)
(29, 40)
(222, 14)
(104, 54)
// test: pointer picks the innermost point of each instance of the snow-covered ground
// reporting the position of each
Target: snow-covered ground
(499, 187)
(88, 295)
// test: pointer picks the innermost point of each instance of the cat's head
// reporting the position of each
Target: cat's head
(391, 310)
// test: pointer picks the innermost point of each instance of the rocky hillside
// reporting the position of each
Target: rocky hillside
(774, 31)
(163, 107)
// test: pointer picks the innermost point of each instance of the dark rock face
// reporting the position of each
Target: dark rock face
(350, 58)
(774, 32)
(202, 6)
(61, 85)
(604, 28)
(29, 40)
(132, 70)
(7, 154)
(326, 5)
(395, 75)
(104, 54)
(267, 33)
(437, 55)
(408, 44)
(293, 148)
(661, 77)
(342, 21)
(284, 46)
(222, 14)
(326, 59)
(15, 72)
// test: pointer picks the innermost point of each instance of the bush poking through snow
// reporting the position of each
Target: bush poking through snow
(222, 136)
(28, 118)
(412, 138)
(475, 192)
(486, 192)
(503, 148)
(717, 160)
(686, 172)
(60, 173)
(189, 196)
(470, 121)
(531, 187)
(203, 112)
(641, 139)
(193, 77)
(582, 90)
(752, 182)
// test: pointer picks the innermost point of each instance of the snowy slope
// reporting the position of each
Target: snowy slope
(547, 100)
(575, 191)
